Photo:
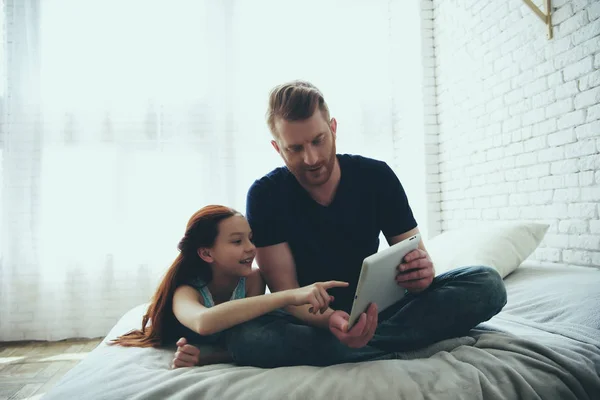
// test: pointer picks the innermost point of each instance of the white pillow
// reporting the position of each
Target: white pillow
(503, 246)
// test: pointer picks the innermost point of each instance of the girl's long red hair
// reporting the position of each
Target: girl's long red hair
(159, 323)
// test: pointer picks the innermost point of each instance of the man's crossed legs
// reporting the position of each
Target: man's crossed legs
(452, 305)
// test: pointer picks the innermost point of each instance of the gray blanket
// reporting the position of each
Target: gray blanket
(545, 344)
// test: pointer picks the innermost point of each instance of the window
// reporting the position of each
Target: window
(2, 95)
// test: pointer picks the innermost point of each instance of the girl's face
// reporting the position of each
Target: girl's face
(233, 251)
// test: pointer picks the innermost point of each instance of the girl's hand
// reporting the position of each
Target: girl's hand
(316, 295)
(186, 355)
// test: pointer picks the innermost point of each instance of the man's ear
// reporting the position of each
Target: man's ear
(204, 253)
(333, 127)
(275, 146)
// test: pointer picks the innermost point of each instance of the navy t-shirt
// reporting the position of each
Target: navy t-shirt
(330, 242)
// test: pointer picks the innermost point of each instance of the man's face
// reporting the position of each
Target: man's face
(307, 148)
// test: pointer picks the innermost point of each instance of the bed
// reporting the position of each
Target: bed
(545, 344)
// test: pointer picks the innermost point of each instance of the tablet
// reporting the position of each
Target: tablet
(377, 281)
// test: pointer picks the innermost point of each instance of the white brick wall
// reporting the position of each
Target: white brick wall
(519, 120)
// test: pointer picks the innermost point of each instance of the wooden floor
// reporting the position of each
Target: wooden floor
(30, 369)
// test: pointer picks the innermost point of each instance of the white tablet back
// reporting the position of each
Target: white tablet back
(377, 281)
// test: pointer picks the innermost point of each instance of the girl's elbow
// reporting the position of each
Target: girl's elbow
(203, 327)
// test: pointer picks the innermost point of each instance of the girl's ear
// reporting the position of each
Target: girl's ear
(204, 253)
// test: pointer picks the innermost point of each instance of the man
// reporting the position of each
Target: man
(316, 219)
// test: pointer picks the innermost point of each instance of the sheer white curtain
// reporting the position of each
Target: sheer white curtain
(120, 118)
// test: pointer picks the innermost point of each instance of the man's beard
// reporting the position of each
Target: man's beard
(319, 176)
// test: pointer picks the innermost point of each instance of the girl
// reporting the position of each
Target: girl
(211, 286)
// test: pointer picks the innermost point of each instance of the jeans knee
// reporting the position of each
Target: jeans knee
(251, 345)
(492, 288)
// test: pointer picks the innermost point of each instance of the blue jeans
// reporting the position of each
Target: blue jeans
(453, 304)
